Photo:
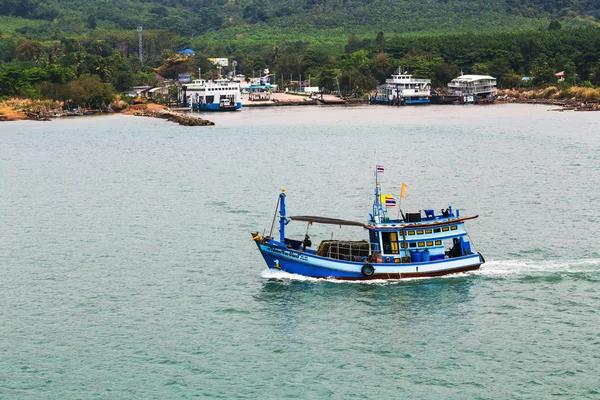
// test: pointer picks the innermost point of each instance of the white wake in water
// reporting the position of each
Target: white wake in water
(515, 267)
(494, 268)
(286, 276)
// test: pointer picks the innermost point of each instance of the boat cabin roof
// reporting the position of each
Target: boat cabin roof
(429, 221)
(472, 78)
(396, 225)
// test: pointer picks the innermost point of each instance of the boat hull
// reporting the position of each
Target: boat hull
(407, 101)
(216, 107)
(280, 257)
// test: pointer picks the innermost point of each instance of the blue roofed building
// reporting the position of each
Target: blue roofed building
(186, 52)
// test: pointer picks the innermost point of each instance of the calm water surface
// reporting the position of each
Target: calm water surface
(128, 270)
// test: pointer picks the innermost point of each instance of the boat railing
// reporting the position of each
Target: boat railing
(407, 80)
(357, 251)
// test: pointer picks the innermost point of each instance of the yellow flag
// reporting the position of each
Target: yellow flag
(384, 197)
(403, 191)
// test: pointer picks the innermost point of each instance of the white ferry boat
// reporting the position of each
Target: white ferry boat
(473, 89)
(402, 89)
(217, 95)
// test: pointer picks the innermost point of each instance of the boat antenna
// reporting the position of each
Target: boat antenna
(378, 211)
(274, 218)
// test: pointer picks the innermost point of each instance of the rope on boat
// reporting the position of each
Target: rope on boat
(274, 218)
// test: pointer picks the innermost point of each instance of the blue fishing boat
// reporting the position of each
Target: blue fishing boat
(417, 245)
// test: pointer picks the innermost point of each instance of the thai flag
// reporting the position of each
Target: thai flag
(390, 202)
(380, 169)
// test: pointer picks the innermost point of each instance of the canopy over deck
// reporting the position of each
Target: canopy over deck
(326, 220)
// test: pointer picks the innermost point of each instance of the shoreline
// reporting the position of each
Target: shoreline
(572, 99)
(13, 111)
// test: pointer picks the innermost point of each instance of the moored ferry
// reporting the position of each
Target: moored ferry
(402, 89)
(473, 89)
(415, 245)
(217, 95)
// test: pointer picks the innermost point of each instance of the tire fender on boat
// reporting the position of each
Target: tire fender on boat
(367, 270)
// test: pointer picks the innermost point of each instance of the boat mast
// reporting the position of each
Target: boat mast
(282, 221)
(378, 211)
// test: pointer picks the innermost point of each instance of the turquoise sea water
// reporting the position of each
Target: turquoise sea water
(128, 270)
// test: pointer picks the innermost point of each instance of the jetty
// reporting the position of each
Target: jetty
(181, 119)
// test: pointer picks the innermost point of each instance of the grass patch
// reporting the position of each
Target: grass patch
(9, 25)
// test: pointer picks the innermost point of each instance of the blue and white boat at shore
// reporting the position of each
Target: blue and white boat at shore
(402, 89)
(411, 247)
(217, 95)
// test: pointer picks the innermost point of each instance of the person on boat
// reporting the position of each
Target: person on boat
(306, 242)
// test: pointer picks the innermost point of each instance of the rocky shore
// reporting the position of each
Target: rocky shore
(181, 119)
(572, 99)
(15, 110)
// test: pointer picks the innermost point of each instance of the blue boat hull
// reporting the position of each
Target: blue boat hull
(407, 102)
(215, 107)
(280, 257)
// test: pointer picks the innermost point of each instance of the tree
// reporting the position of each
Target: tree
(481, 69)
(88, 90)
(353, 44)
(543, 74)
(382, 66)
(327, 79)
(380, 39)
(444, 73)
(13, 81)
(29, 50)
(8, 49)
(91, 22)
(554, 25)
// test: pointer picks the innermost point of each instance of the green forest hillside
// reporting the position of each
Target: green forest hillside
(61, 49)
(260, 19)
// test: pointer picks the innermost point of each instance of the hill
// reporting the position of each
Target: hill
(84, 52)
(258, 21)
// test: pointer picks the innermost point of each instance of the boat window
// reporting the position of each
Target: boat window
(390, 242)
(428, 231)
(421, 244)
(403, 245)
(445, 229)
(436, 230)
(430, 243)
(410, 232)
(454, 227)
(412, 244)
(438, 242)
(420, 232)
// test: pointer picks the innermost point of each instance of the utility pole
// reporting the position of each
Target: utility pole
(139, 30)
